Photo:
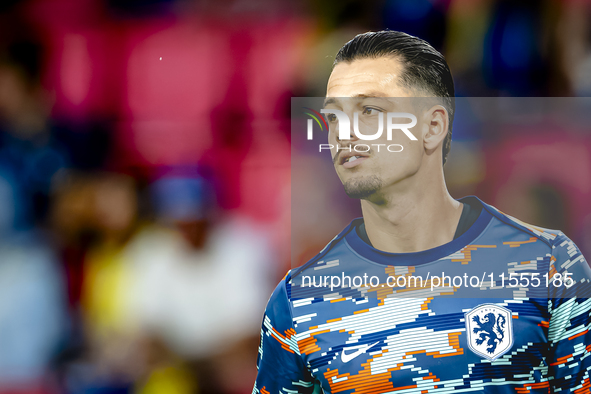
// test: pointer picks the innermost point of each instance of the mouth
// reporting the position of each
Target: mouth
(350, 161)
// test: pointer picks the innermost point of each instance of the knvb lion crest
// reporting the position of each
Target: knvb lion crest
(489, 329)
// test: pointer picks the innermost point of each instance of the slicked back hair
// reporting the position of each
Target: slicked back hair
(424, 68)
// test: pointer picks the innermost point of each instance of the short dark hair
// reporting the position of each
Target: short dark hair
(424, 67)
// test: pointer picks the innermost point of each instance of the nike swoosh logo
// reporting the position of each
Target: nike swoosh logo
(345, 358)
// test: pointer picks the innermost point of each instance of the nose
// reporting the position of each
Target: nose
(349, 135)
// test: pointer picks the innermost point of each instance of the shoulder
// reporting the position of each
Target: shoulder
(279, 304)
(547, 236)
(560, 247)
(335, 246)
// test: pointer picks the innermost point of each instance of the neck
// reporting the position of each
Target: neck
(412, 220)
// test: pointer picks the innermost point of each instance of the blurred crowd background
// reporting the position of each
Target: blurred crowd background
(145, 180)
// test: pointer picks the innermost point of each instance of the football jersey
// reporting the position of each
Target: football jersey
(502, 308)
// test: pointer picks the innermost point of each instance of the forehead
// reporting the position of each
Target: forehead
(367, 77)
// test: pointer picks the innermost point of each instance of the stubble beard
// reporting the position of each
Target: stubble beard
(363, 188)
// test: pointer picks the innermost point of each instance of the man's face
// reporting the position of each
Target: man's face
(371, 86)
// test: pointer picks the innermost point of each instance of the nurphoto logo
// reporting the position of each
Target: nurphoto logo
(344, 124)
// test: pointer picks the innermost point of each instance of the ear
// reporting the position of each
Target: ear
(437, 122)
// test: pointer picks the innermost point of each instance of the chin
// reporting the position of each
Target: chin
(364, 187)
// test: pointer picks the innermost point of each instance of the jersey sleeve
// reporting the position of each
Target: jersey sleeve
(569, 360)
(280, 366)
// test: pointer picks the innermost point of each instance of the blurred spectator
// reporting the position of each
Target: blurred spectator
(27, 146)
(170, 306)
(99, 210)
(33, 320)
(572, 46)
(200, 280)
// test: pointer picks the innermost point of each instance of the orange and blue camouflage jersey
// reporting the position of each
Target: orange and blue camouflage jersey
(503, 308)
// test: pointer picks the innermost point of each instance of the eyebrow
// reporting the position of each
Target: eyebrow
(371, 94)
(332, 100)
(329, 100)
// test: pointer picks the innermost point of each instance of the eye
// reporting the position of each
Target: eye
(370, 111)
(331, 118)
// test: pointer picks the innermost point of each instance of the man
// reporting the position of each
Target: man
(380, 308)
